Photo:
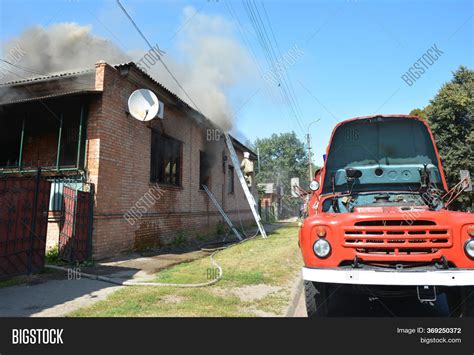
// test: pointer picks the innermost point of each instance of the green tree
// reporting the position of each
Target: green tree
(418, 112)
(282, 156)
(450, 115)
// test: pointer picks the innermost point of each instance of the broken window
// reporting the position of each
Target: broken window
(230, 180)
(49, 134)
(165, 164)
(204, 169)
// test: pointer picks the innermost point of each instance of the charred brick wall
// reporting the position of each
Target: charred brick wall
(118, 162)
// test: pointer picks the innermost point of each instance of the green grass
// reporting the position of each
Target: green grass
(13, 281)
(274, 262)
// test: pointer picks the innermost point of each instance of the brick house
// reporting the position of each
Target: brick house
(77, 128)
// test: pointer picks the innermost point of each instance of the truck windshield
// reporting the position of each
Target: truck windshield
(389, 152)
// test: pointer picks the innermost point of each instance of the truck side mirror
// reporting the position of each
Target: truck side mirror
(466, 180)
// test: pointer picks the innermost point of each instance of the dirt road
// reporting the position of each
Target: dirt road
(53, 298)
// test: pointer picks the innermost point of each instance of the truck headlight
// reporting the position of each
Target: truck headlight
(314, 185)
(469, 248)
(322, 248)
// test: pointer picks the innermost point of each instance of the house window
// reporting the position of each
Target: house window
(230, 180)
(165, 159)
(204, 169)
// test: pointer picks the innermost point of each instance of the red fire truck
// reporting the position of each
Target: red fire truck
(379, 220)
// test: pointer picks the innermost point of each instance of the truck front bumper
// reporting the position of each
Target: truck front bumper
(372, 276)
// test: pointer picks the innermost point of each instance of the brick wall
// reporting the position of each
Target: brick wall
(40, 150)
(118, 162)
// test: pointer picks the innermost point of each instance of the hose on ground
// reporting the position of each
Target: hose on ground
(138, 283)
(159, 284)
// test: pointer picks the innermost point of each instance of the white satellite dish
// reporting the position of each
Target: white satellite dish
(144, 105)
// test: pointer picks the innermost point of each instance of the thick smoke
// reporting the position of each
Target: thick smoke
(59, 47)
(210, 60)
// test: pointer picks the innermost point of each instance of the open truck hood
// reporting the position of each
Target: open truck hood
(389, 151)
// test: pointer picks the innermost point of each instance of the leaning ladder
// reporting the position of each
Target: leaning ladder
(248, 195)
(224, 215)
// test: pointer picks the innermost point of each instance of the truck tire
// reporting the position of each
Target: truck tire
(453, 298)
(468, 301)
(316, 296)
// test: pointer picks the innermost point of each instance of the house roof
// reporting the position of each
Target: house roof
(82, 81)
(49, 76)
(242, 147)
(48, 86)
(144, 73)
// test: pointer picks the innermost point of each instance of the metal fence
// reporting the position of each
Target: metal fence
(23, 224)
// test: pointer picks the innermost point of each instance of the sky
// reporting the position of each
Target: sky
(348, 56)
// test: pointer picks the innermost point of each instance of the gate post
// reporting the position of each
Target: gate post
(91, 221)
(33, 218)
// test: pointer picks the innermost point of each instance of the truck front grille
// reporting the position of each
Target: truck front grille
(396, 222)
(397, 237)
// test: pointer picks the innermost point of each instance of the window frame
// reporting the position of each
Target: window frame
(208, 180)
(155, 176)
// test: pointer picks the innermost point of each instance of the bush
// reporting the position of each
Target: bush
(180, 240)
(52, 256)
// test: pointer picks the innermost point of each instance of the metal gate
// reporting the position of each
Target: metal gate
(24, 206)
(75, 234)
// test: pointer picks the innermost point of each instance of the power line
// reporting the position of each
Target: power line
(137, 28)
(159, 55)
(281, 56)
(261, 40)
(248, 45)
(247, 42)
(22, 67)
(285, 77)
(270, 56)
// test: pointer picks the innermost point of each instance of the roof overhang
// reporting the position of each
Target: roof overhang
(48, 87)
(83, 82)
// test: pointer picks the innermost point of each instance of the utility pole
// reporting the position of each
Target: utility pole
(258, 158)
(308, 142)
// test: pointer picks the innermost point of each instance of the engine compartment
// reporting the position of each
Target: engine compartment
(357, 202)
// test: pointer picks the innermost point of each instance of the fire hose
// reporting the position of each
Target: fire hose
(157, 284)
(138, 283)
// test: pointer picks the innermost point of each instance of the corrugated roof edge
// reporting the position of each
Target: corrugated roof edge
(62, 74)
(51, 96)
(49, 76)
(144, 73)
(201, 116)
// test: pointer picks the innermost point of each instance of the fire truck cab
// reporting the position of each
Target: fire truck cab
(378, 221)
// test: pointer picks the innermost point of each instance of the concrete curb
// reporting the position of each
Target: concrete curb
(297, 289)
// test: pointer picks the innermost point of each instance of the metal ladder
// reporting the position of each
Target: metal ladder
(248, 195)
(224, 215)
